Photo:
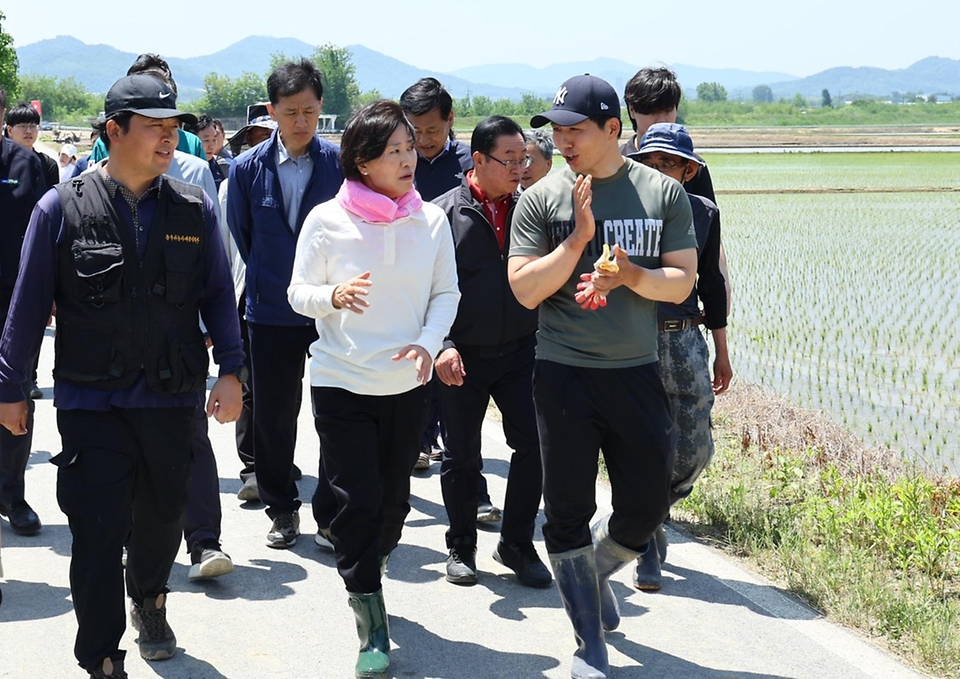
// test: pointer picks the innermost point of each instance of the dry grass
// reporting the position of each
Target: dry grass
(757, 417)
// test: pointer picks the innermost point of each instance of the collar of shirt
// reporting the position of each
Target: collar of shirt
(114, 187)
(283, 155)
(446, 147)
(496, 210)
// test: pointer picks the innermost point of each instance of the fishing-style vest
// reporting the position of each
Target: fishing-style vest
(117, 316)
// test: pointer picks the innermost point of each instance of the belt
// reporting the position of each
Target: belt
(677, 325)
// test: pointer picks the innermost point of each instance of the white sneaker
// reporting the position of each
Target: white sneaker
(322, 538)
(209, 562)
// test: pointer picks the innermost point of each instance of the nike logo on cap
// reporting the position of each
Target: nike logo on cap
(164, 95)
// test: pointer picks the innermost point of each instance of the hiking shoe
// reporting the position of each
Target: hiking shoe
(156, 640)
(109, 669)
(249, 492)
(23, 520)
(462, 566)
(322, 538)
(487, 513)
(436, 454)
(423, 462)
(209, 561)
(284, 531)
(522, 559)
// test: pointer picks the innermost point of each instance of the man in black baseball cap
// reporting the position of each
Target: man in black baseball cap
(133, 259)
(596, 384)
(145, 95)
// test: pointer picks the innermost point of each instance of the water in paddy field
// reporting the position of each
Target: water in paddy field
(850, 303)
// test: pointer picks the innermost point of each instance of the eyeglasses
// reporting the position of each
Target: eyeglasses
(25, 127)
(666, 165)
(510, 164)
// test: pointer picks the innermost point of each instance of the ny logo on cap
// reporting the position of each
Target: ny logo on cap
(561, 95)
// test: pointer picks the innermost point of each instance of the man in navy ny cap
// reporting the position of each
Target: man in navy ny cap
(596, 384)
(133, 259)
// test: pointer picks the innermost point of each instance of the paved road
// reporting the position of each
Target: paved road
(283, 614)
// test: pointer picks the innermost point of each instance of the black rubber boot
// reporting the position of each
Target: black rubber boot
(576, 575)
(661, 537)
(611, 557)
(374, 633)
(647, 576)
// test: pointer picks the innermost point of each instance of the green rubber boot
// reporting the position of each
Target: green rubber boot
(374, 633)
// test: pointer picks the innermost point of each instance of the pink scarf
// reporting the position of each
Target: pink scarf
(374, 207)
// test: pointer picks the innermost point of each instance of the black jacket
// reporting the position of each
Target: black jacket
(21, 185)
(489, 314)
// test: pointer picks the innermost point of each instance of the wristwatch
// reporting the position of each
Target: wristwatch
(241, 373)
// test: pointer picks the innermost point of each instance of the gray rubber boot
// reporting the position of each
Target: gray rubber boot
(576, 575)
(374, 633)
(611, 557)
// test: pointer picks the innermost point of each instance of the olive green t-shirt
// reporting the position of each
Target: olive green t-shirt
(644, 212)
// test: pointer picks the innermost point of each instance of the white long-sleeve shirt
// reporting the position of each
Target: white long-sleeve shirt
(413, 297)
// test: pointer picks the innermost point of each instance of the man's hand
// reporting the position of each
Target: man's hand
(722, 374)
(594, 287)
(584, 224)
(226, 399)
(414, 352)
(350, 295)
(13, 416)
(449, 368)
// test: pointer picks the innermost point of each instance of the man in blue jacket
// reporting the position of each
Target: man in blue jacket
(272, 189)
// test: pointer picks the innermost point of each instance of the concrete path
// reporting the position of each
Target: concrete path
(283, 614)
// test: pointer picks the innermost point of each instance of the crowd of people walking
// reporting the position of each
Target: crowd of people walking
(414, 278)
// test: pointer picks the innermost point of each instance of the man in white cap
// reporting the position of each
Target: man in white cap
(68, 162)
(596, 384)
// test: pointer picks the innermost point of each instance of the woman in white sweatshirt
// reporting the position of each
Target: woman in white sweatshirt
(376, 267)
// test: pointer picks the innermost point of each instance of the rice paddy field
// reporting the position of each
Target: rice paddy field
(846, 275)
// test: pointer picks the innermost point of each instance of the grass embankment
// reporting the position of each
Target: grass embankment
(867, 540)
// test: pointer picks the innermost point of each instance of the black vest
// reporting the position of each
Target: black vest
(116, 316)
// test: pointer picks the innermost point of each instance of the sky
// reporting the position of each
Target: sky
(758, 35)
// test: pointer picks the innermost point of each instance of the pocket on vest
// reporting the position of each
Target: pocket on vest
(184, 368)
(86, 353)
(99, 271)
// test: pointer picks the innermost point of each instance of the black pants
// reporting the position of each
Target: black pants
(508, 378)
(369, 445)
(121, 471)
(14, 455)
(277, 357)
(244, 425)
(622, 412)
(203, 514)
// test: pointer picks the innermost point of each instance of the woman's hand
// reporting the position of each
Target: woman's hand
(414, 352)
(350, 295)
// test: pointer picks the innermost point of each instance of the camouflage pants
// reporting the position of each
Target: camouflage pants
(684, 368)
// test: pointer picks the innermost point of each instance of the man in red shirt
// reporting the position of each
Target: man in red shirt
(489, 353)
